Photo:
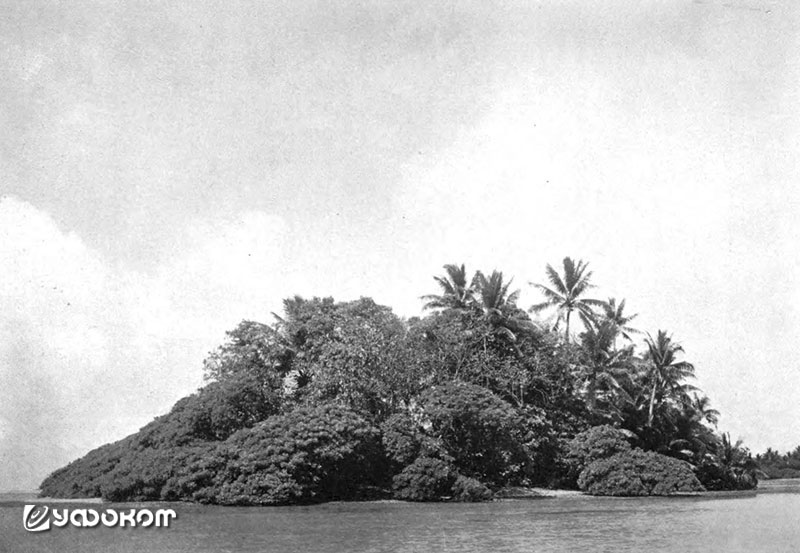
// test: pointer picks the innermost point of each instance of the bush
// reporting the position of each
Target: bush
(81, 478)
(717, 477)
(484, 435)
(194, 478)
(312, 454)
(470, 490)
(637, 472)
(151, 474)
(599, 442)
(215, 412)
(426, 479)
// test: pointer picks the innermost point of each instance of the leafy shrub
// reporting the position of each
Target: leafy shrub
(598, 442)
(638, 472)
(194, 477)
(426, 479)
(485, 436)
(81, 478)
(470, 490)
(138, 477)
(137, 467)
(213, 413)
(430, 479)
(148, 475)
(311, 454)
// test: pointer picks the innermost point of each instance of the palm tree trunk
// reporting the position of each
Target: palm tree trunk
(591, 393)
(566, 332)
(652, 405)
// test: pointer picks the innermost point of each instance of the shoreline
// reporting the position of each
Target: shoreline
(511, 493)
(520, 492)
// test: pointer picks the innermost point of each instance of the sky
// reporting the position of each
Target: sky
(169, 170)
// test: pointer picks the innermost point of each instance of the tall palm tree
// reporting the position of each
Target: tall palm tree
(565, 294)
(666, 375)
(457, 291)
(615, 314)
(605, 369)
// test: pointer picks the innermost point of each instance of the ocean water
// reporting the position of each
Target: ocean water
(765, 521)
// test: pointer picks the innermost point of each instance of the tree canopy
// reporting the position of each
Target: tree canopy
(346, 400)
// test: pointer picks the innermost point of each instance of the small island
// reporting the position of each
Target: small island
(347, 401)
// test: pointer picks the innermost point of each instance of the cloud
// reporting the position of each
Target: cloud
(90, 352)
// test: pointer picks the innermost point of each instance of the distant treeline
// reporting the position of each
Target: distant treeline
(775, 465)
(346, 401)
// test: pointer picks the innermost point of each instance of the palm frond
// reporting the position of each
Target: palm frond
(454, 290)
(555, 280)
(580, 287)
(575, 275)
(588, 320)
(446, 286)
(433, 302)
(539, 307)
(458, 275)
(553, 296)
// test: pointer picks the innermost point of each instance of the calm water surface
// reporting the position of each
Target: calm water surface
(767, 521)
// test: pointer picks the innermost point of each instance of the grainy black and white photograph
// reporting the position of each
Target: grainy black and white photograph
(308, 276)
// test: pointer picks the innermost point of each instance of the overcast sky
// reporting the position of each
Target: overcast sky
(166, 171)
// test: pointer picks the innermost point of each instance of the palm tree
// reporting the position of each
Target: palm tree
(738, 462)
(615, 315)
(701, 406)
(666, 374)
(565, 294)
(499, 306)
(457, 293)
(690, 439)
(605, 369)
(770, 456)
(493, 293)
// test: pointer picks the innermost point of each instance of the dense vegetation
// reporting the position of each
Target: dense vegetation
(607, 464)
(774, 465)
(344, 401)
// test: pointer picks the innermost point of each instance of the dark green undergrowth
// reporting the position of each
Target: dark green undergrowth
(636, 473)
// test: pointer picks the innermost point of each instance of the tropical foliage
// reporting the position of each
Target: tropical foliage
(599, 442)
(638, 472)
(774, 465)
(346, 400)
(456, 291)
(666, 375)
(614, 315)
(565, 294)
